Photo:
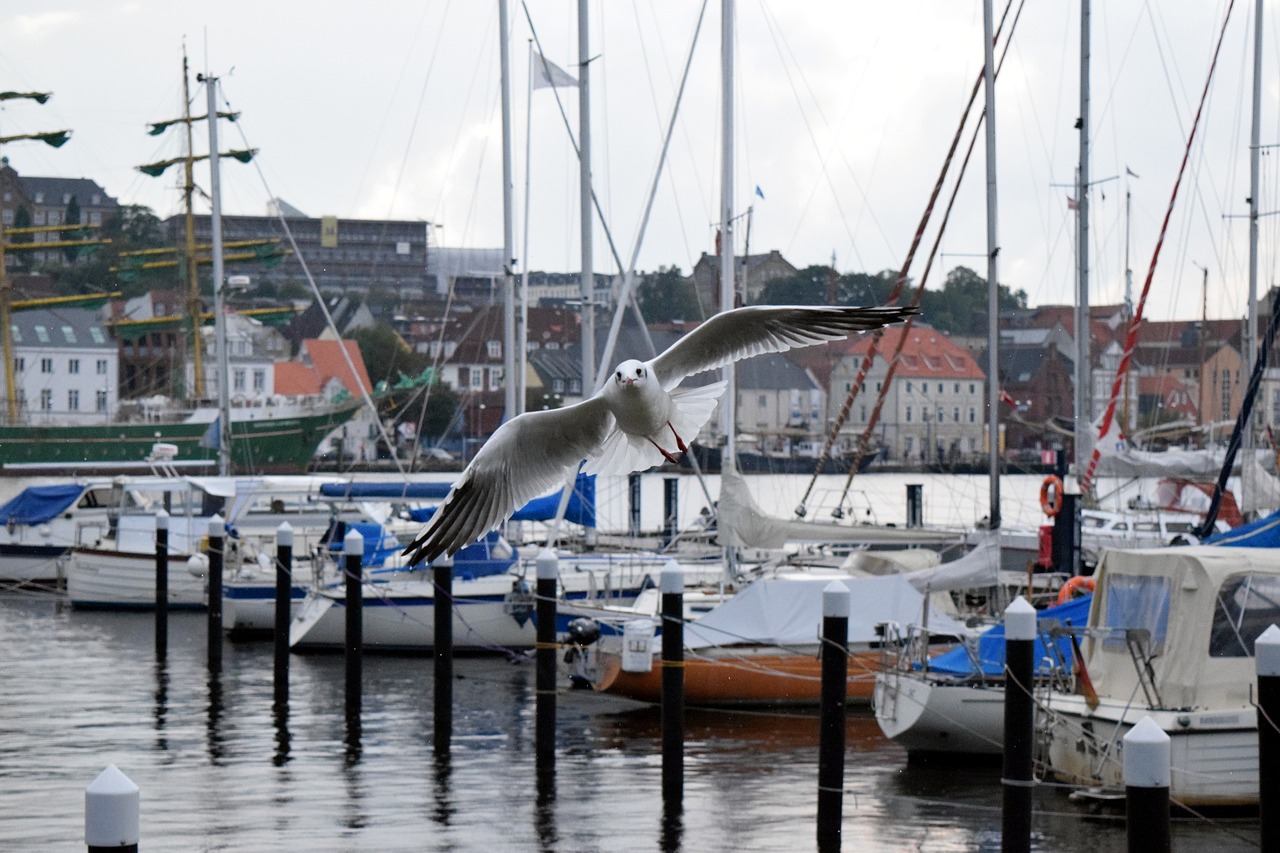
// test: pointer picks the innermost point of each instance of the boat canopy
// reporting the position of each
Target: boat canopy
(1263, 533)
(987, 656)
(787, 611)
(581, 508)
(392, 490)
(38, 504)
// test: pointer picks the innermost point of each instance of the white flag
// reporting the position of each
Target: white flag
(546, 73)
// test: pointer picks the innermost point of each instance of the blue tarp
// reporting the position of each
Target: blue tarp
(581, 508)
(378, 543)
(38, 504)
(1263, 533)
(990, 652)
(348, 491)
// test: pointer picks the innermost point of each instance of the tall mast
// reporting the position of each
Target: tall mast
(587, 281)
(1251, 325)
(509, 338)
(219, 283)
(194, 310)
(993, 279)
(1083, 377)
(728, 403)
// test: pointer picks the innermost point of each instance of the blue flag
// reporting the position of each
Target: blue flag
(212, 438)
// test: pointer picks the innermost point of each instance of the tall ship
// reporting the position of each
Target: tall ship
(67, 362)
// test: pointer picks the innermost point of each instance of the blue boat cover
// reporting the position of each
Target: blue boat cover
(1263, 533)
(38, 504)
(990, 649)
(581, 508)
(348, 491)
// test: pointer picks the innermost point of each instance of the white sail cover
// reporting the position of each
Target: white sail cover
(748, 526)
(787, 611)
(979, 568)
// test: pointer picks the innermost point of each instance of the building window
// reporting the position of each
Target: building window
(259, 380)
(73, 365)
(973, 415)
(939, 387)
(970, 387)
(69, 334)
(955, 414)
(763, 400)
(495, 378)
(102, 367)
(941, 415)
(477, 378)
(100, 401)
(46, 365)
(20, 364)
(575, 386)
(464, 377)
(957, 391)
(42, 334)
(864, 414)
(73, 400)
(557, 386)
(908, 414)
(878, 387)
(46, 400)
(237, 380)
(495, 349)
(97, 335)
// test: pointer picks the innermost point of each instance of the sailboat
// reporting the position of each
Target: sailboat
(275, 433)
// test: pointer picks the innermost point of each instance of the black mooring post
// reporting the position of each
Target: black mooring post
(353, 553)
(545, 654)
(1020, 636)
(284, 603)
(162, 584)
(831, 719)
(1146, 788)
(217, 544)
(442, 651)
(1267, 660)
(671, 585)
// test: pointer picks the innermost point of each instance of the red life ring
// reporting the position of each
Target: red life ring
(1069, 588)
(1054, 506)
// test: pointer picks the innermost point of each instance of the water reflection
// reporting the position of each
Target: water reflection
(351, 742)
(215, 736)
(544, 810)
(280, 719)
(672, 835)
(162, 705)
(444, 807)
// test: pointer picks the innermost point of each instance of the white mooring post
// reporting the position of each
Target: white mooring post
(111, 810)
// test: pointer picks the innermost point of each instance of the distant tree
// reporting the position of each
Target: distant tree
(667, 295)
(810, 286)
(131, 228)
(961, 306)
(291, 289)
(388, 359)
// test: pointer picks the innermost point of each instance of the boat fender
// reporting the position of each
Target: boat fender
(1070, 588)
(1051, 495)
(198, 565)
(584, 631)
(637, 645)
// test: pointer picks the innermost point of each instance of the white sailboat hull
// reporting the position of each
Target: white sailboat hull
(102, 579)
(926, 715)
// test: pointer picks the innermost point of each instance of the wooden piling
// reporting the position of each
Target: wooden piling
(442, 651)
(671, 586)
(545, 654)
(284, 603)
(1267, 661)
(1019, 785)
(831, 718)
(217, 545)
(353, 646)
(162, 584)
(112, 808)
(1146, 788)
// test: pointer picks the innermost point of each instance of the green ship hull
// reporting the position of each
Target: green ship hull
(265, 445)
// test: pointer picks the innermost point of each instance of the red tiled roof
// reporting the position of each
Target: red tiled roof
(322, 362)
(927, 353)
(295, 378)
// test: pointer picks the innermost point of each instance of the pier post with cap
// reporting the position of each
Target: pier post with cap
(353, 647)
(112, 808)
(1146, 788)
(831, 718)
(1267, 661)
(217, 550)
(671, 586)
(284, 603)
(545, 654)
(162, 584)
(442, 651)
(1019, 720)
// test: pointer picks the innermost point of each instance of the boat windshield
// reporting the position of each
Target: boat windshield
(1246, 605)
(1136, 601)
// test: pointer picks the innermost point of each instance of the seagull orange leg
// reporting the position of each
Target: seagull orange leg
(679, 441)
(673, 460)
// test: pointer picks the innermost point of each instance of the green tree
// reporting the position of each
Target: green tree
(131, 228)
(389, 359)
(960, 308)
(810, 286)
(667, 295)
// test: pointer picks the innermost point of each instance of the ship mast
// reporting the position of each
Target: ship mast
(219, 283)
(195, 312)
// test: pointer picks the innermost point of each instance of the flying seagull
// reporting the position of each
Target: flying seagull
(640, 417)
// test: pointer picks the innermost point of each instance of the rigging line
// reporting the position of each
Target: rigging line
(315, 289)
(1132, 333)
(901, 279)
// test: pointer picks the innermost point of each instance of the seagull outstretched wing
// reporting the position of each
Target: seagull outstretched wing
(525, 457)
(759, 329)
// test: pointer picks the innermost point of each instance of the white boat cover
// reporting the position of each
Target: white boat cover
(979, 568)
(750, 527)
(787, 611)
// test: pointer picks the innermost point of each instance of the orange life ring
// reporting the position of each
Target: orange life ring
(1069, 588)
(1051, 508)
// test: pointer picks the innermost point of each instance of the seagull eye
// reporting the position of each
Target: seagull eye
(619, 374)
(639, 371)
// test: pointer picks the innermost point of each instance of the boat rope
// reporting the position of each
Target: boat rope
(1131, 335)
(898, 285)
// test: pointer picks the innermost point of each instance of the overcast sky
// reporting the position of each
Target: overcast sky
(845, 111)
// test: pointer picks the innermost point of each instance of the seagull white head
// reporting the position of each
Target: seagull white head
(630, 372)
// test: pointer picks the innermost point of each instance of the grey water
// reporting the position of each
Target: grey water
(219, 771)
